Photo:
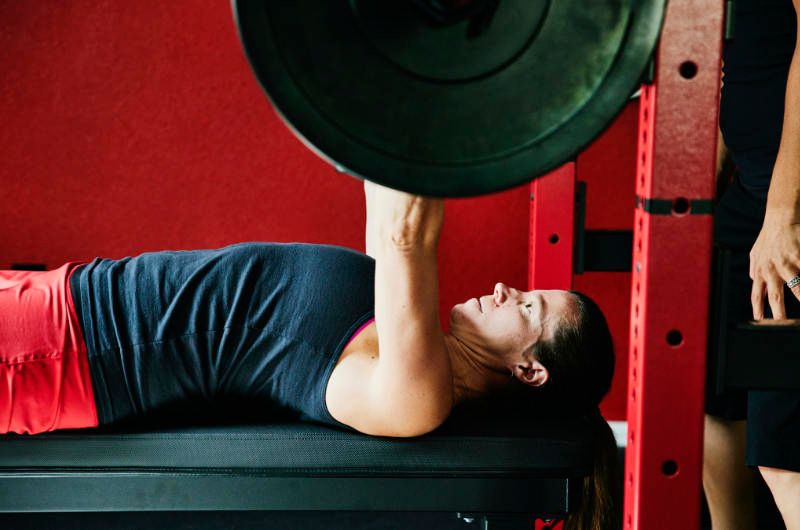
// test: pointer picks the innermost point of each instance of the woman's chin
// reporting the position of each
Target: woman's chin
(459, 313)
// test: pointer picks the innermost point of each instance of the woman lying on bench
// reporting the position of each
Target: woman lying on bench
(321, 332)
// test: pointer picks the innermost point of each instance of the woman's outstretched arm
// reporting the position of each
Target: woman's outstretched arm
(409, 388)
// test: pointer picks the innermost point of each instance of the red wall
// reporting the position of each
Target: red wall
(136, 126)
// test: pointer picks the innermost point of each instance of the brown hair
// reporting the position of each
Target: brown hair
(596, 510)
(580, 362)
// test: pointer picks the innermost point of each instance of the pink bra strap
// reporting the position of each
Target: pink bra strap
(359, 330)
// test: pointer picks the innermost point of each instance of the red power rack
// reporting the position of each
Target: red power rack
(672, 245)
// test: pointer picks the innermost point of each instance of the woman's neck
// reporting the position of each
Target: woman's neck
(474, 373)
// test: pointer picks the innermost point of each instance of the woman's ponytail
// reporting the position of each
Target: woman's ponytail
(596, 510)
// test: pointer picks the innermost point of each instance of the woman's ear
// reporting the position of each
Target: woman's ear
(535, 374)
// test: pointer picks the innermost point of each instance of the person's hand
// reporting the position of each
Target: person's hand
(404, 219)
(774, 261)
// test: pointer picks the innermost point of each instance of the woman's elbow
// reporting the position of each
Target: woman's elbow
(409, 426)
(424, 423)
(414, 430)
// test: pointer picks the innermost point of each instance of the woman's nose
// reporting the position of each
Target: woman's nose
(500, 293)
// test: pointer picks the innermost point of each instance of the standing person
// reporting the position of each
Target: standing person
(758, 219)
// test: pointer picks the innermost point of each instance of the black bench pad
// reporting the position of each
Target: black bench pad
(296, 466)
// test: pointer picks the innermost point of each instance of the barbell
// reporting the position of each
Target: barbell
(448, 97)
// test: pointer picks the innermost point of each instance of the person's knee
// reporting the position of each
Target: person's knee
(723, 457)
(723, 440)
(727, 482)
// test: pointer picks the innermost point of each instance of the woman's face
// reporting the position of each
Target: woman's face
(509, 322)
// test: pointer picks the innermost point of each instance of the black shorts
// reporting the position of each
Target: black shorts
(773, 418)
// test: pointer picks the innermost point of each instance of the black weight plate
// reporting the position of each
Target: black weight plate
(386, 93)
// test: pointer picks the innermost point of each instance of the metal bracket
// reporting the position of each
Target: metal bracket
(678, 206)
(599, 250)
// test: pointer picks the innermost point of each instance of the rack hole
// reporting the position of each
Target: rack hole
(669, 468)
(674, 338)
(680, 206)
(688, 69)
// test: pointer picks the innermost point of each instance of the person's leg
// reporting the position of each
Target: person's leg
(728, 483)
(773, 445)
(785, 488)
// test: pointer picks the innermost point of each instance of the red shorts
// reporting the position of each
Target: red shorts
(45, 382)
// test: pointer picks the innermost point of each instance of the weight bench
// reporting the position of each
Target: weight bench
(500, 475)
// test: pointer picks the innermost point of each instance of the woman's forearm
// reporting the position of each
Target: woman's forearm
(406, 304)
